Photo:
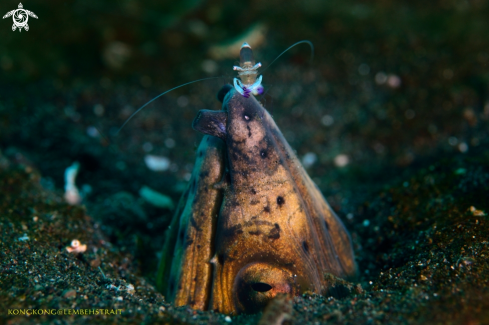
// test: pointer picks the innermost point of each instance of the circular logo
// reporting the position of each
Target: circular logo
(20, 17)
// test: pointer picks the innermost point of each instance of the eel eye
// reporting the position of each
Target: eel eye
(223, 92)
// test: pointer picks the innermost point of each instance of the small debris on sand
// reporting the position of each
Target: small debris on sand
(76, 247)
(477, 213)
(72, 194)
(155, 198)
(157, 163)
(70, 293)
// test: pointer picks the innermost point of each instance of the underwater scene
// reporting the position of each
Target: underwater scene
(244, 162)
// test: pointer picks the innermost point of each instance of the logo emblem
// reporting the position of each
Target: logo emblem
(20, 17)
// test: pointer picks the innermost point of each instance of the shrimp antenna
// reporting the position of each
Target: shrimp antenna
(300, 42)
(166, 92)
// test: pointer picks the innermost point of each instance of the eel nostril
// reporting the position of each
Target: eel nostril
(261, 287)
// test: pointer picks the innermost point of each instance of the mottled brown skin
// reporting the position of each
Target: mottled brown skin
(274, 232)
(272, 214)
(185, 271)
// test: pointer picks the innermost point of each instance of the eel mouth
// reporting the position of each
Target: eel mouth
(257, 283)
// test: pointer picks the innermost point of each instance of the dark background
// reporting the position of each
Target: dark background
(394, 86)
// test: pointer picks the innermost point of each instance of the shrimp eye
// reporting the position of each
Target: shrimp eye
(222, 93)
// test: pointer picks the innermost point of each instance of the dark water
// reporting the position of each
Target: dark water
(397, 93)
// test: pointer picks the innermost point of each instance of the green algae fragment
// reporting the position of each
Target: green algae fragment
(156, 198)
